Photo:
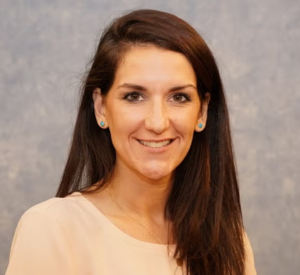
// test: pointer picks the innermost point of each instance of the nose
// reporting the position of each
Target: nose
(157, 117)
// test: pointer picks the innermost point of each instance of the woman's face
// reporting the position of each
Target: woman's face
(151, 110)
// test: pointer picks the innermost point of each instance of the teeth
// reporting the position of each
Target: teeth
(155, 144)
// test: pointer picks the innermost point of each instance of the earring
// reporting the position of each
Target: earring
(102, 123)
(200, 125)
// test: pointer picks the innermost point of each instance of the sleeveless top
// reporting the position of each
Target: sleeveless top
(70, 235)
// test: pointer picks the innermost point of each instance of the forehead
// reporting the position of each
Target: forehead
(152, 65)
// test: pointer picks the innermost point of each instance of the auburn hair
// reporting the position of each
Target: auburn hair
(204, 203)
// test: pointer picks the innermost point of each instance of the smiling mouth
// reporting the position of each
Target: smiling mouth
(154, 144)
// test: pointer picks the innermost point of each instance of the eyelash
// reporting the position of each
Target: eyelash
(126, 97)
(187, 97)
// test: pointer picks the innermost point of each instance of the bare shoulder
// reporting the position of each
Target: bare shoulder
(249, 257)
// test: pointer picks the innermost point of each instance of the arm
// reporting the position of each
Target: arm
(249, 258)
(39, 246)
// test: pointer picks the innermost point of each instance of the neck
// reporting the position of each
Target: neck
(145, 197)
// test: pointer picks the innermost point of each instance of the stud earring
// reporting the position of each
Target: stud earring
(102, 123)
(200, 125)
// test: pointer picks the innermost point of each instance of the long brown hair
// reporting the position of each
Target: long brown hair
(204, 203)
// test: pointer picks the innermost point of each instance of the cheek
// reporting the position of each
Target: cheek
(122, 122)
(185, 122)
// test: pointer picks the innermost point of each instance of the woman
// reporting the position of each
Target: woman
(150, 185)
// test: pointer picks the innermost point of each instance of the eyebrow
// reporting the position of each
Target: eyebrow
(143, 89)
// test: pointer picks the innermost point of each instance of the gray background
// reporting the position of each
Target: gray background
(44, 49)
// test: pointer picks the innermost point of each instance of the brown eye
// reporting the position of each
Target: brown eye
(133, 97)
(177, 97)
(181, 98)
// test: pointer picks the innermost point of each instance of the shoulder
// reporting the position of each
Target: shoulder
(249, 257)
(54, 211)
(43, 240)
(50, 222)
(53, 205)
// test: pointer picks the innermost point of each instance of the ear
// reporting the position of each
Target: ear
(99, 108)
(202, 117)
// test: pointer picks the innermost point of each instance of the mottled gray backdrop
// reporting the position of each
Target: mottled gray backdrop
(44, 49)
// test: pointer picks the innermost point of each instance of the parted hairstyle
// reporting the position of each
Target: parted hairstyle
(204, 203)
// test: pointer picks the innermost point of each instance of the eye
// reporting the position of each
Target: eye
(181, 98)
(133, 97)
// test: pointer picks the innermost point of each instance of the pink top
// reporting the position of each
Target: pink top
(71, 236)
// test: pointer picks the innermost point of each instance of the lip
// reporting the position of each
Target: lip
(156, 150)
(156, 140)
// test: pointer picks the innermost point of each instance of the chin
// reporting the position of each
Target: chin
(156, 174)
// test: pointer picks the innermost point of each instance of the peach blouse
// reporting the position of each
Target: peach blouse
(70, 235)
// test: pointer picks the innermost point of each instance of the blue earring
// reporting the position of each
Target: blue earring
(200, 125)
(102, 123)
